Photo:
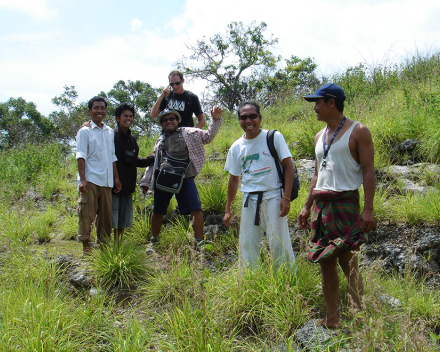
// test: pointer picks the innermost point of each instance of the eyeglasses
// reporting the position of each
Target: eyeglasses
(251, 116)
(165, 119)
(175, 83)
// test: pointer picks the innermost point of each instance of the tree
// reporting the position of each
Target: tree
(140, 94)
(21, 123)
(223, 61)
(71, 116)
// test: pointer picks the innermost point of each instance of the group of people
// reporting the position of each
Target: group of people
(107, 170)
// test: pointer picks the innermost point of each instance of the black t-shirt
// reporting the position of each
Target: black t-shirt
(186, 104)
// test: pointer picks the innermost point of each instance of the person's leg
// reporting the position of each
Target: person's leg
(156, 224)
(189, 203)
(117, 233)
(161, 201)
(250, 237)
(330, 288)
(277, 231)
(87, 208)
(355, 286)
(197, 223)
(104, 218)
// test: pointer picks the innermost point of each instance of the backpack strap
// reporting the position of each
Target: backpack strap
(271, 145)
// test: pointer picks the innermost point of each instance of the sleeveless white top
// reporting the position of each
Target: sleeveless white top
(342, 172)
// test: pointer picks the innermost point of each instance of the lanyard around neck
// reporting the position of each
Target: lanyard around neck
(326, 150)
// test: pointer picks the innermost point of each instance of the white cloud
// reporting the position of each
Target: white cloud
(38, 9)
(337, 35)
(136, 24)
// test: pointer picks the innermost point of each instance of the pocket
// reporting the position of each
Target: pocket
(82, 203)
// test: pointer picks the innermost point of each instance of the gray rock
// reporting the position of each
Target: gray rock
(80, 279)
(62, 262)
(389, 301)
(315, 338)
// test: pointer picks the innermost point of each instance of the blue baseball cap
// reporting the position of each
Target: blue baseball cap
(327, 90)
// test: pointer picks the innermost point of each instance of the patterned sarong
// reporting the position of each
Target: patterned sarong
(335, 225)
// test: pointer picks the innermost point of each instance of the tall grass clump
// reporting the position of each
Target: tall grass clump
(29, 165)
(120, 264)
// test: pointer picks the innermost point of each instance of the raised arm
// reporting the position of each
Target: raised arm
(155, 109)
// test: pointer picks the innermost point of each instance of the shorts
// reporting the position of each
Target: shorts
(122, 215)
(188, 198)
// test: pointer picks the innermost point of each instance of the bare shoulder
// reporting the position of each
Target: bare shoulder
(318, 135)
(361, 133)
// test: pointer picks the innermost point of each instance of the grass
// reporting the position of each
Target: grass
(182, 300)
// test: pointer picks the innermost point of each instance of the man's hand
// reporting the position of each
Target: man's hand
(118, 186)
(366, 221)
(87, 124)
(284, 207)
(83, 186)
(144, 189)
(227, 219)
(166, 91)
(303, 219)
(216, 112)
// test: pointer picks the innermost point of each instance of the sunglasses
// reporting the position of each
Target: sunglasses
(245, 117)
(166, 119)
(175, 83)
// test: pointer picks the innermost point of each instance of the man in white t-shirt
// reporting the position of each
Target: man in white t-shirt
(265, 203)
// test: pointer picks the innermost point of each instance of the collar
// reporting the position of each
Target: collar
(125, 134)
(94, 125)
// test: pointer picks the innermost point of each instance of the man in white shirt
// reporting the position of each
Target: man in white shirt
(97, 174)
(265, 203)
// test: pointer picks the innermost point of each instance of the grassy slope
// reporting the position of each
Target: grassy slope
(176, 304)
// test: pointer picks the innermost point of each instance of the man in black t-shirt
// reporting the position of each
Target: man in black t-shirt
(175, 97)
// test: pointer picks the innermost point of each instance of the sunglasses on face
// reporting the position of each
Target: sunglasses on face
(251, 116)
(175, 83)
(166, 119)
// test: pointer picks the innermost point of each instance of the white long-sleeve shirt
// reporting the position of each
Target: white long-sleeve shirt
(97, 147)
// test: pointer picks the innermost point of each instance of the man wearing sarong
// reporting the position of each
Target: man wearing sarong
(344, 160)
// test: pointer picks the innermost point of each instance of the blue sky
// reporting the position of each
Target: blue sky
(45, 45)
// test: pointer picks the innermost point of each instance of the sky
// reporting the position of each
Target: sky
(92, 44)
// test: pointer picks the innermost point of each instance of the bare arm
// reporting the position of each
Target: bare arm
(365, 149)
(83, 186)
(234, 182)
(304, 215)
(155, 109)
(288, 183)
(201, 122)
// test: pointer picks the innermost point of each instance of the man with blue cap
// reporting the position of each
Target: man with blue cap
(344, 160)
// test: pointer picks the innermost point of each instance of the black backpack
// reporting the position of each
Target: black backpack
(273, 152)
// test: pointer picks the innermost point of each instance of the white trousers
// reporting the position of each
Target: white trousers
(276, 229)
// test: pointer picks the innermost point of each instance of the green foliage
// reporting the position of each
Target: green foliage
(70, 117)
(213, 196)
(21, 123)
(119, 265)
(224, 58)
(27, 165)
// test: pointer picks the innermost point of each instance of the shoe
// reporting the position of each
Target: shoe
(198, 245)
(152, 246)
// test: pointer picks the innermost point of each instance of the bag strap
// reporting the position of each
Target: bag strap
(271, 145)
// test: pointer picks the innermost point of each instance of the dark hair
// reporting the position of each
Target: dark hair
(96, 99)
(249, 102)
(175, 72)
(339, 104)
(121, 108)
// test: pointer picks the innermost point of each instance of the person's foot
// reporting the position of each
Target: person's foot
(199, 244)
(87, 248)
(154, 241)
(328, 324)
